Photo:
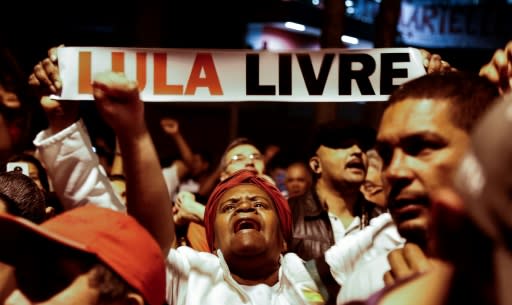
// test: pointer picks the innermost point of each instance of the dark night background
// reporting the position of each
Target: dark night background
(30, 28)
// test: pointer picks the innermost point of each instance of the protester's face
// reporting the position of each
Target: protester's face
(298, 180)
(66, 281)
(337, 166)
(420, 148)
(373, 186)
(247, 224)
(244, 156)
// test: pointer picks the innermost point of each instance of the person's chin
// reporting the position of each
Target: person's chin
(248, 243)
(412, 228)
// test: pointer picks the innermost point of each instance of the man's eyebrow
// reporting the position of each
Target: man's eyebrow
(422, 134)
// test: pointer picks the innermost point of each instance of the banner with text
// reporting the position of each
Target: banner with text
(207, 75)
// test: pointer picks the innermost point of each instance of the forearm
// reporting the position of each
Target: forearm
(209, 183)
(147, 197)
(185, 151)
(117, 164)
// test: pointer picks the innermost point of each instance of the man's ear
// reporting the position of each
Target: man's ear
(49, 212)
(314, 163)
(133, 298)
(285, 247)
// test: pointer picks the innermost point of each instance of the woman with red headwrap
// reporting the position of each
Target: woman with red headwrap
(248, 224)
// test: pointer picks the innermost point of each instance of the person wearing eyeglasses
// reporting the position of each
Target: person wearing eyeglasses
(241, 153)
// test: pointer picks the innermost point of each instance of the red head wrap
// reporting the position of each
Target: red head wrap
(247, 176)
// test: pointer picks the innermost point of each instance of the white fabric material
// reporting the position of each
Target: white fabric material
(350, 258)
(380, 236)
(174, 185)
(201, 278)
(338, 229)
(366, 280)
(74, 169)
(171, 180)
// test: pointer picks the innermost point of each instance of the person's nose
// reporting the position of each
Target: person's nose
(398, 167)
(245, 206)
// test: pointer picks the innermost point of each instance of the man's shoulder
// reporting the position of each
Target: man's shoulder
(305, 205)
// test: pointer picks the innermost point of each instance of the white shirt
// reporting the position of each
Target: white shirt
(365, 280)
(201, 278)
(174, 185)
(356, 250)
(338, 229)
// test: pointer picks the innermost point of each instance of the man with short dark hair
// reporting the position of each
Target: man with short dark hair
(422, 136)
(334, 208)
(87, 255)
(334, 205)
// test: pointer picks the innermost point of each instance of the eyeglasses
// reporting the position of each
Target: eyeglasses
(243, 158)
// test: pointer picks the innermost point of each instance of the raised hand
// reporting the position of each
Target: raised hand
(45, 78)
(170, 126)
(405, 262)
(117, 99)
(499, 69)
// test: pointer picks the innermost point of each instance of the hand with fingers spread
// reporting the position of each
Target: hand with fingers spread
(499, 69)
(405, 262)
(45, 78)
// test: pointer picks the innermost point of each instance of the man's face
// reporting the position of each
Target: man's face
(247, 224)
(243, 156)
(298, 180)
(420, 148)
(52, 282)
(345, 166)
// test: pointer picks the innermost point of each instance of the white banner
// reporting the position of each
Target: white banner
(207, 75)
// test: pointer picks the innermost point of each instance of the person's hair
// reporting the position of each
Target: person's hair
(22, 196)
(469, 95)
(43, 176)
(110, 285)
(236, 142)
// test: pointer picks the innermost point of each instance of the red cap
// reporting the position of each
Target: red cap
(116, 239)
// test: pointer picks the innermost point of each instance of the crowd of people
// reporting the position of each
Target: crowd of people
(415, 211)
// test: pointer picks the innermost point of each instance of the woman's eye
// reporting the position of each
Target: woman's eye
(260, 204)
(228, 207)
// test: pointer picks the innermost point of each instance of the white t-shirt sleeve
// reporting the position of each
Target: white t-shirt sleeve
(74, 169)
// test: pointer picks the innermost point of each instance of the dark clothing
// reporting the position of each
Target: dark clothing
(312, 230)
(313, 235)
